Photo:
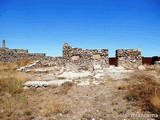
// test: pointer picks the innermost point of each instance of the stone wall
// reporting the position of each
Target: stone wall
(78, 58)
(48, 61)
(11, 55)
(85, 58)
(129, 58)
(19, 50)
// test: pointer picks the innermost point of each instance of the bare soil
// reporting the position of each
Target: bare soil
(70, 101)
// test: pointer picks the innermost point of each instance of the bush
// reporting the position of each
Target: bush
(144, 88)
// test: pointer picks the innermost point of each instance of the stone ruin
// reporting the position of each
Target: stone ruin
(3, 44)
(11, 55)
(76, 58)
(129, 58)
(85, 59)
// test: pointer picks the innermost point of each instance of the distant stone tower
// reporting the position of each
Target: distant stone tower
(3, 44)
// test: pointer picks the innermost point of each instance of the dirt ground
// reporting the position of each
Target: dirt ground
(74, 101)
(71, 101)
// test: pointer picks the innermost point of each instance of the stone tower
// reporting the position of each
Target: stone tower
(3, 44)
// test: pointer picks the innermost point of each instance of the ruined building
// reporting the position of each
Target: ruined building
(11, 55)
(3, 44)
(129, 58)
(79, 58)
(84, 58)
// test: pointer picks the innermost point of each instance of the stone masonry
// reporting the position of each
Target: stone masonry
(129, 58)
(85, 58)
(11, 55)
(77, 58)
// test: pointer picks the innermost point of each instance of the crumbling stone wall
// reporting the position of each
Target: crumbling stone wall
(11, 55)
(77, 58)
(129, 58)
(85, 58)
(48, 61)
(19, 50)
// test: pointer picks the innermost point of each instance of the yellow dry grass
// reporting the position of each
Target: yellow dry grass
(11, 89)
(54, 107)
(155, 101)
(14, 65)
(144, 88)
(11, 81)
(122, 86)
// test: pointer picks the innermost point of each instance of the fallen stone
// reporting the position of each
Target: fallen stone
(44, 83)
(97, 67)
(141, 67)
(83, 83)
(75, 74)
(24, 68)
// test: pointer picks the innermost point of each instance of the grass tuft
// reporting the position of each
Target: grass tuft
(27, 112)
(54, 107)
(12, 96)
(145, 89)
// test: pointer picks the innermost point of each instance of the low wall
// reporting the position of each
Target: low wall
(20, 50)
(85, 58)
(48, 61)
(81, 58)
(11, 55)
(129, 58)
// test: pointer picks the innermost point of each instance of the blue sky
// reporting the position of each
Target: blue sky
(44, 25)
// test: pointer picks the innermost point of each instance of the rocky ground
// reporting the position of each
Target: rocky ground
(56, 93)
(46, 76)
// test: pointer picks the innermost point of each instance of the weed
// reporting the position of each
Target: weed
(54, 107)
(122, 86)
(11, 90)
(64, 88)
(145, 89)
(131, 97)
(11, 81)
(27, 112)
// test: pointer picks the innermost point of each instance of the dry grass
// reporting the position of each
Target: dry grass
(11, 89)
(145, 89)
(122, 86)
(14, 65)
(155, 101)
(11, 81)
(64, 88)
(8, 66)
(152, 68)
(53, 107)
(157, 69)
(24, 62)
(148, 67)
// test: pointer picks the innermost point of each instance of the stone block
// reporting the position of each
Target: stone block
(129, 58)
(85, 57)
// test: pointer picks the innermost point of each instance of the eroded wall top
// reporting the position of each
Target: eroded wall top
(129, 58)
(85, 57)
